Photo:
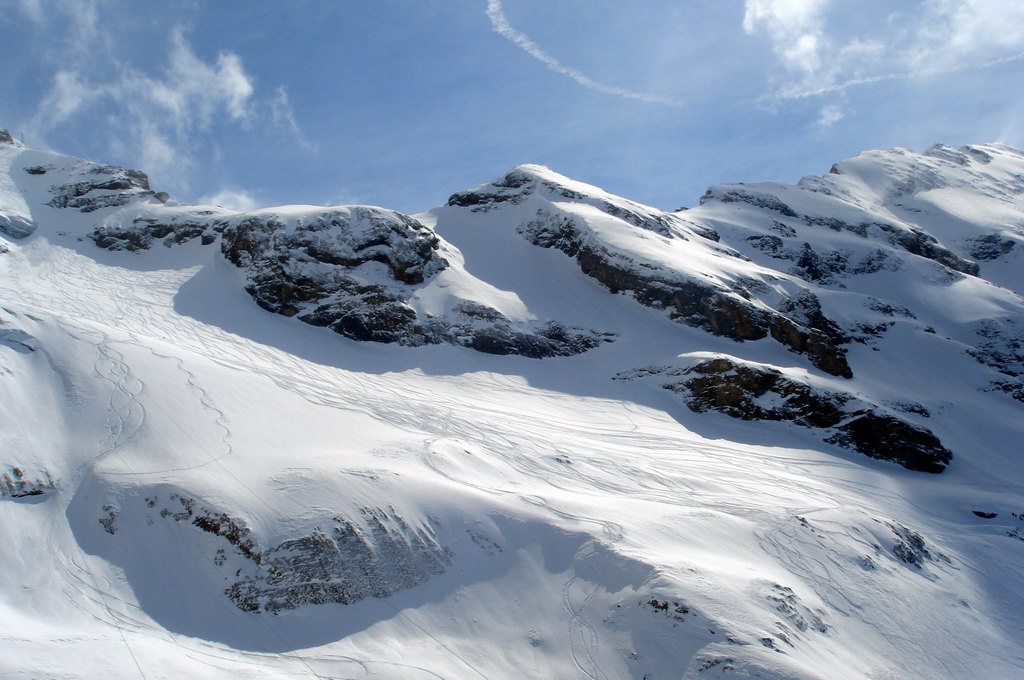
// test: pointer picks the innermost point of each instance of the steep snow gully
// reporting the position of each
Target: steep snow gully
(539, 432)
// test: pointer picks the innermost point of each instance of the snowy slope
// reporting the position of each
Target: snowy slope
(593, 439)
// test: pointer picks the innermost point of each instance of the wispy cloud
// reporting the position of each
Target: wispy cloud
(501, 25)
(842, 86)
(154, 118)
(931, 38)
(829, 116)
(283, 116)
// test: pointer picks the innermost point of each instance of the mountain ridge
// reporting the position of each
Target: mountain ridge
(587, 438)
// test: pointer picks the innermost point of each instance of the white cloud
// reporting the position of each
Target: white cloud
(283, 116)
(952, 31)
(929, 39)
(153, 117)
(501, 25)
(829, 116)
(794, 27)
(66, 97)
(231, 198)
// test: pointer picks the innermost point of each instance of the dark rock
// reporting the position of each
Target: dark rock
(513, 188)
(5, 137)
(100, 186)
(813, 267)
(889, 438)
(911, 548)
(109, 521)
(758, 200)
(314, 271)
(174, 229)
(16, 483)
(759, 393)
(376, 557)
(773, 246)
(985, 515)
(918, 242)
(790, 607)
(690, 300)
(990, 247)
(1000, 346)
(734, 389)
(1012, 388)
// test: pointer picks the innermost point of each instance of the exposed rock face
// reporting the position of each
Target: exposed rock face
(513, 188)
(171, 228)
(345, 564)
(313, 259)
(691, 300)
(752, 392)
(825, 269)
(354, 270)
(351, 269)
(1001, 346)
(98, 186)
(991, 247)
(910, 547)
(836, 264)
(374, 555)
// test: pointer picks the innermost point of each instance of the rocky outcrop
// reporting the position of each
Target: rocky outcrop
(754, 392)
(828, 268)
(97, 186)
(376, 554)
(991, 247)
(691, 300)
(353, 270)
(310, 268)
(754, 198)
(170, 229)
(513, 189)
(15, 482)
(911, 548)
(833, 264)
(348, 562)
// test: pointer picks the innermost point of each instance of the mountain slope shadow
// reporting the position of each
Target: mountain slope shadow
(174, 574)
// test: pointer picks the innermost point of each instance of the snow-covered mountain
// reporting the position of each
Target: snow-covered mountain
(539, 432)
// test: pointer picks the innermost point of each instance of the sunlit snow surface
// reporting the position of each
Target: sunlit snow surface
(590, 527)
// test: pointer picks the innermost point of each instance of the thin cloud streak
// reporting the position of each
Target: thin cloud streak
(501, 25)
(888, 77)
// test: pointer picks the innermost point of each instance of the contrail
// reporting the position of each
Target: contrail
(499, 22)
(888, 77)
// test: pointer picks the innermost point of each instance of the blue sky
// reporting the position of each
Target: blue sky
(402, 102)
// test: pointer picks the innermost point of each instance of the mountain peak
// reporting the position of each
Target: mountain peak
(7, 138)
